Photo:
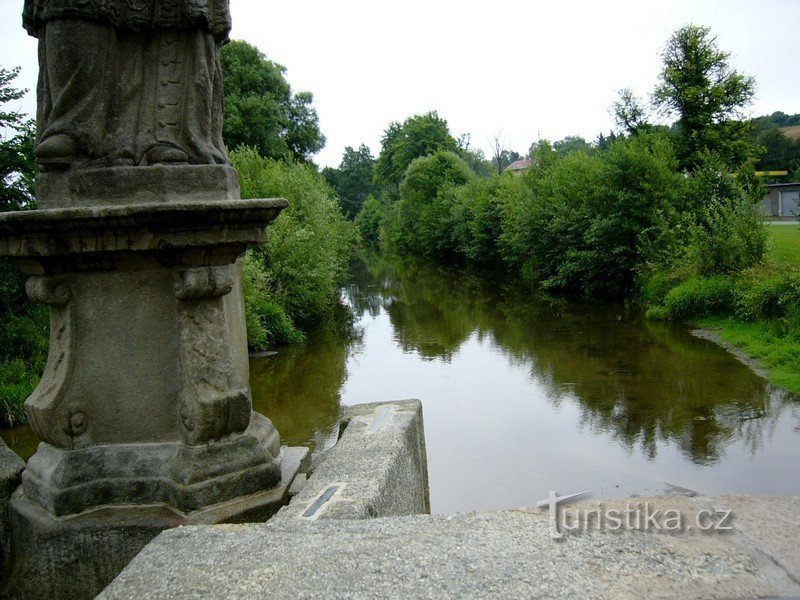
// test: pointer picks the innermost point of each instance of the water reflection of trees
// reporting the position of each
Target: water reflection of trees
(298, 387)
(643, 383)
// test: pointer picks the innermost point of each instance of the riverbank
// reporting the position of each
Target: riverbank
(754, 315)
(772, 356)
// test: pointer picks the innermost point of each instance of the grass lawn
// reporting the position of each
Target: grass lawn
(785, 248)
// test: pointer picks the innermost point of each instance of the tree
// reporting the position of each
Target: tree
(572, 143)
(17, 163)
(604, 142)
(629, 112)
(418, 136)
(353, 179)
(698, 85)
(422, 211)
(780, 153)
(261, 111)
(474, 157)
(502, 156)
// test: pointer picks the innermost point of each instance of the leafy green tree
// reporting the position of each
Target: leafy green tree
(261, 111)
(698, 85)
(572, 143)
(417, 136)
(629, 111)
(353, 179)
(17, 163)
(423, 213)
(370, 220)
(474, 157)
(603, 142)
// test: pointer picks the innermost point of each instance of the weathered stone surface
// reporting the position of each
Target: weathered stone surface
(138, 236)
(11, 467)
(186, 478)
(136, 185)
(769, 530)
(76, 557)
(377, 468)
(505, 554)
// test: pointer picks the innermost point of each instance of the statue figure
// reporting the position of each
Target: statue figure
(129, 82)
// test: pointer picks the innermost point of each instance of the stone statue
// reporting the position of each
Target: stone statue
(129, 82)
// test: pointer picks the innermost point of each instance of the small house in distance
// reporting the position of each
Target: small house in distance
(518, 166)
(782, 200)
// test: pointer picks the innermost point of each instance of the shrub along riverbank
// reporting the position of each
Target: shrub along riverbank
(627, 223)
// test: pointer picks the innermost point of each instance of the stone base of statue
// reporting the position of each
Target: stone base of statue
(77, 556)
(144, 408)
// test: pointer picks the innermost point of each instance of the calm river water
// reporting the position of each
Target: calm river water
(523, 395)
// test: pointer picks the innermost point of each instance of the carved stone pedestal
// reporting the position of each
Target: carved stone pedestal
(144, 409)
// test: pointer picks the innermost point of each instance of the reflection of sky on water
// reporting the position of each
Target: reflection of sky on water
(496, 440)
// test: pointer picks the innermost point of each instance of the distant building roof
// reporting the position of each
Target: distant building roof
(519, 165)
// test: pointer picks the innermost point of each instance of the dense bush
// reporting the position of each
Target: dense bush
(292, 281)
(581, 229)
(371, 220)
(421, 217)
(24, 338)
(696, 297)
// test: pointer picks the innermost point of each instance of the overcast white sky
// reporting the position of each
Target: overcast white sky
(521, 69)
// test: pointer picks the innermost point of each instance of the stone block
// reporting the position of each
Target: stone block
(377, 468)
(76, 556)
(137, 185)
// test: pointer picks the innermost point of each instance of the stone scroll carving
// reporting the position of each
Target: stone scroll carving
(211, 404)
(56, 419)
(128, 82)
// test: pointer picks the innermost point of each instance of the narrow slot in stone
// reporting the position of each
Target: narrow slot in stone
(320, 502)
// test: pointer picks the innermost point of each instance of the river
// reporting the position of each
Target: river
(525, 394)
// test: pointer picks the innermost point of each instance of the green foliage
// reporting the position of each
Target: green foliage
(572, 143)
(310, 246)
(768, 296)
(261, 111)
(17, 164)
(477, 216)
(780, 152)
(582, 230)
(698, 85)
(696, 297)
(24, 339)
(629, 111)
(371, 220)
(24, 328)
(266, 319)
(423, 211)
(714, 229)
(418, 136)
(353, 179)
